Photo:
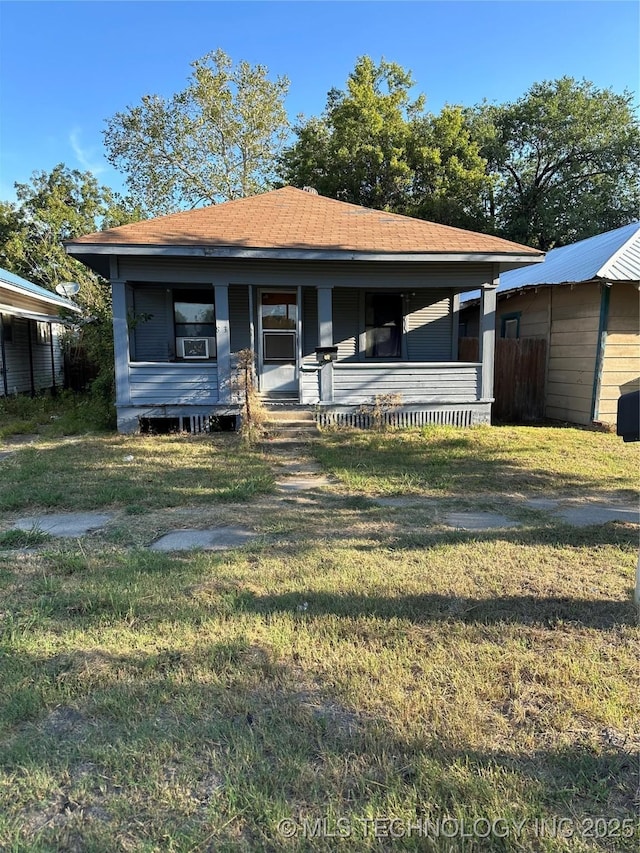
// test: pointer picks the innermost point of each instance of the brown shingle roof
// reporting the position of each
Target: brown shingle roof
(290, 218)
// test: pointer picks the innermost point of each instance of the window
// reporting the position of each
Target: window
(195, 324)
(43, 333)
(7, 328)
(510, 325)
(383, 325)
(279, 311)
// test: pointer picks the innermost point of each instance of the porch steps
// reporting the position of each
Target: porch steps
(289, 424)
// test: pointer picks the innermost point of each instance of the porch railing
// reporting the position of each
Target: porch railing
(415, 382)
(173, 383)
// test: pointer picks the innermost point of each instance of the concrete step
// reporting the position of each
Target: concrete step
(291, 435)
(290, 423)
(288, 413)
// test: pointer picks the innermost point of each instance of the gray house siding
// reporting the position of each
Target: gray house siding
(239, 327)
(17, 368)
(309, 274)
(154, 382)
(149, 323)
(428, 326)
(346, 322)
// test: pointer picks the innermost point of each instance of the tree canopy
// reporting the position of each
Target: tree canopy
(374, 145)
(51, 208)
(559, 164)
(216, 140)
(566, 159)
(357, 151)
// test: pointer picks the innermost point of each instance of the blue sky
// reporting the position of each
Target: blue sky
(65, 67)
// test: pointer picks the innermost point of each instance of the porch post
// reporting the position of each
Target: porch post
(121, 343)
(223, 342)
(487, 338)
(3, 359)
(325, 339)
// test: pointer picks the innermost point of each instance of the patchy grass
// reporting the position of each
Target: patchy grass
(481, 460)
(353, 664)
(66, 413)
(134, 472)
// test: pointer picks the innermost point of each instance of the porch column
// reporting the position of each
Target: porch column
(3, 359)
(325, 339)
(121, 343)
(487, 338)
(223, 342)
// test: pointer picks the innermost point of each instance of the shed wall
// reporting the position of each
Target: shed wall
(621, 364)
(575, 319)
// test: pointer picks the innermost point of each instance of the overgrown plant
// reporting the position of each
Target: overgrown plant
(253, 415)
(379, 411)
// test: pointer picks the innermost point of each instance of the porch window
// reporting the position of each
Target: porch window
(195, 325)
(383, 325)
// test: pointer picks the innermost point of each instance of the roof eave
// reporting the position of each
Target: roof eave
(53, 300)
(303, 254)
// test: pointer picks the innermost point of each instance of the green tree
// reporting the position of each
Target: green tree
(357, 150)
(51, 208)
(216, 140)
(57, 206)
(566, 162)
(377, 147)
(450, 180)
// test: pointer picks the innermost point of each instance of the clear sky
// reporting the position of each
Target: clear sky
(65, 67)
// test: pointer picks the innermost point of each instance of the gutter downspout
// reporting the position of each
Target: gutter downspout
(601, 347)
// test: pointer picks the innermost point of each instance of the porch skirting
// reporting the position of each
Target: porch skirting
(197, 419)
(404, 416)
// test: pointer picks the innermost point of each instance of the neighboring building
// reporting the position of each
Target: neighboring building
(30, 355)
(290, 274)
(584, 301)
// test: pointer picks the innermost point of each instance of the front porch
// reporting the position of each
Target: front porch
(349, 355)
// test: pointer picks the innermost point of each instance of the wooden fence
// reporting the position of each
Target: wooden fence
(519, 376)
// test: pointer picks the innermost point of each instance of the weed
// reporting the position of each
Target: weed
(23, 538)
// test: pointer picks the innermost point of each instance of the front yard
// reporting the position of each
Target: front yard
(359, 677)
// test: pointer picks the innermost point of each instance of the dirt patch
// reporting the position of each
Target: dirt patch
(66, 722)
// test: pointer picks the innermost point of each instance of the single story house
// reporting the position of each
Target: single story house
(340, 305)
(584, 302)
(30, 325)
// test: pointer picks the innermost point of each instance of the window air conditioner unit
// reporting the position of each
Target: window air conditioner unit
(193, 347)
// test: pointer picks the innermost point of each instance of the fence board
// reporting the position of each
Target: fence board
(519, 376)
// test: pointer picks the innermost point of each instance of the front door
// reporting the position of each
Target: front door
(278, 329)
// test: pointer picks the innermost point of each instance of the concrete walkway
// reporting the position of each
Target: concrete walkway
(300, 478)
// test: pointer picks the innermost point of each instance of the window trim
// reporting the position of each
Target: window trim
(194, 296)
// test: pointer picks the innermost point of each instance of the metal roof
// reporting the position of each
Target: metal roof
(21, 285)
(612, 256)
